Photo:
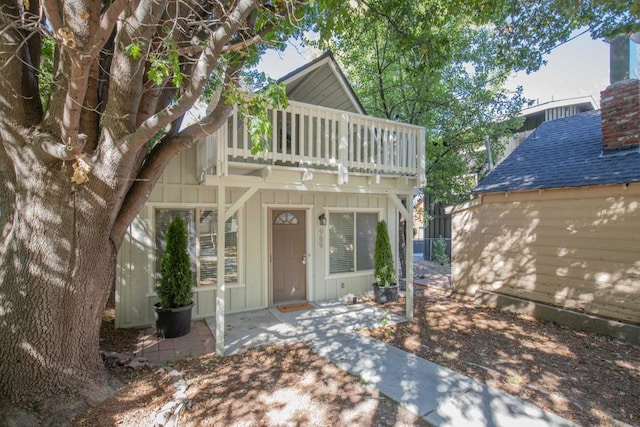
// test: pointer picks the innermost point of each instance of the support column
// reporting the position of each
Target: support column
(407, 213)
(409, 249)
(220, 293)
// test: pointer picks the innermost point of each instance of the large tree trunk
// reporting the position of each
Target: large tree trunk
(59, 240)
(56, 268)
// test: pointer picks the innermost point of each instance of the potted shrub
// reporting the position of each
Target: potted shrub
(385, 288)
(173, 312)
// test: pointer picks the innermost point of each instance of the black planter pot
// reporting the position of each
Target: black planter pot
(385, 294)
(173, 322)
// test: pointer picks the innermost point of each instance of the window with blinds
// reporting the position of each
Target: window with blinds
(352, 238)
(341, 242)
(366, 224)
(208, 236)
(202, 239)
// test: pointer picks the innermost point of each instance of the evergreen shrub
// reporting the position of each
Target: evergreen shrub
(176, 281)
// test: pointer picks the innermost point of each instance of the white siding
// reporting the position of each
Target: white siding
(179, 187)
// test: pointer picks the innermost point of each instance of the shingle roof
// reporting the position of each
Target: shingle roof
(563, 153)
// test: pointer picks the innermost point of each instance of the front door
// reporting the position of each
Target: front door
(289, 255)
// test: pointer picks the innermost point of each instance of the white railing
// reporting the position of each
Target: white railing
(310, 136)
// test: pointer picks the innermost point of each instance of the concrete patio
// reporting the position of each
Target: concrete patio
(199, 341)
(437, 394)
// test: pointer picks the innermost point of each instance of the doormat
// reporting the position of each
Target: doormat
(294, 307)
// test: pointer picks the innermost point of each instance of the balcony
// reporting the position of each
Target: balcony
(318, 138)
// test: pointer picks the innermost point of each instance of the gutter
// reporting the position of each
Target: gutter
(450, 210)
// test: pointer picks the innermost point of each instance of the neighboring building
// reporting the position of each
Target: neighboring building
(440, 224)
(536, 115)
(297, 224)
(553, 230)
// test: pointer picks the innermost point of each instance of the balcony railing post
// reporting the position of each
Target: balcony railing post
(343, 150)
(221, 160)
(422, 179)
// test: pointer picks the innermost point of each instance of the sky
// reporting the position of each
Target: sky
(577, 68)
(276, 64)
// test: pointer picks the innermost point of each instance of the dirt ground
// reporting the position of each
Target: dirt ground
(285, 386)
(588, 378)
(584, 377)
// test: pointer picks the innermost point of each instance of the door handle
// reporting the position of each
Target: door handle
(304, 259)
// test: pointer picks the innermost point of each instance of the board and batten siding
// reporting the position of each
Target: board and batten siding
(179, 188)
(577, 249)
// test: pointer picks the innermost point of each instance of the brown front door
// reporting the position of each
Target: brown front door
(289, 255)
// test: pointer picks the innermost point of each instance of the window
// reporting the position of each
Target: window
(286, 218)
(352, 237)
(202, 239)
(208, 238)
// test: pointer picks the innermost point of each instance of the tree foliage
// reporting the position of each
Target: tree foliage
(443, 65)
(422, 64)
(529, 29)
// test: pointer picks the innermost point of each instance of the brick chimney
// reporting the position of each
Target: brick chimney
(620, 102)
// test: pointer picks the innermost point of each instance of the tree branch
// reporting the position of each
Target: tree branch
(145, 181)
(107, 24)
(52, 11)
(126, 89)
(219, 114)
(157, 160)
(206, 63)
(19, 56)
(48, 148)
(235, 47)
(80, 62)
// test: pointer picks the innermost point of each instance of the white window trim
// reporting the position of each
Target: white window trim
(197, 207)
(328, 212)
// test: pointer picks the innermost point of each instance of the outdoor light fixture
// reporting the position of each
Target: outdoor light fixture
(323, 219)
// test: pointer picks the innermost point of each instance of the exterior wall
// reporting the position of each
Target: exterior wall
(179, 187)
(578, 249)
(135, 273)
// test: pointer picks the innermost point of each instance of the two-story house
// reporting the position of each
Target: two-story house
(296, 224)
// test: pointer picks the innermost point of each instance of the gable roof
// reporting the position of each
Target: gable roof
(322, 82)
(563, 153)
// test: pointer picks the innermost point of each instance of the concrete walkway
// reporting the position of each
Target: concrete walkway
(439, 395)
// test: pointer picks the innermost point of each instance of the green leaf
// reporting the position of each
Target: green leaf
(134, 50)
(158, 70)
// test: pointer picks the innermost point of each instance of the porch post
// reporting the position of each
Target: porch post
(407, 213)
(220, 247)
(409, 252)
